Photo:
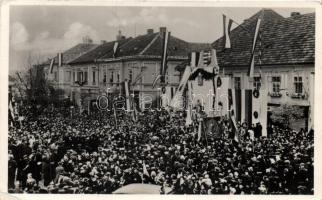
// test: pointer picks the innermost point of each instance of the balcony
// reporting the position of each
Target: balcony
(80, 83)
(298, 96)
(275, 94)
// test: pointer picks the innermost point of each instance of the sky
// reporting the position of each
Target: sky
(39, 32)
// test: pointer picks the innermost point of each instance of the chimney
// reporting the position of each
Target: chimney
(120, 36)
(149, 31)
(295, 14)
(163, 29)
(87, 40)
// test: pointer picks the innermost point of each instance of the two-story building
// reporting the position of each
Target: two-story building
(61, 76)
(101, 70)
(284, 58)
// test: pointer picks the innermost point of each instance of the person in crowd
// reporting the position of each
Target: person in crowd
(59, 153)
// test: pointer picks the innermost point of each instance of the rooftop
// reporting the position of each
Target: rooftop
(97, 52)
(283, 40)
(150, 45)
(73, 53)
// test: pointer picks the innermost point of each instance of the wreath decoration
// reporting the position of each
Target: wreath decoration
(256, 93)
(206, 75)
(80, 83)
(163, 90)
(219, 82)
(255, 114)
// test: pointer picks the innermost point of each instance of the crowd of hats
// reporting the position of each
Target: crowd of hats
(55, 152)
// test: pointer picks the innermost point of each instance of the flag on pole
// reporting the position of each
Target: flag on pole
(259, 109)
(214, 61)
(243, 105)
(177, 99)
(51, 67)
(194, 59)
(156, 80)
(135, 114)
(145, 171)
(11, 109)
(221, 101)
(234, 127)
(164, 57)
(163, 69)
(249, 106)
(189, 118)
(199, 130)
(127, 95)
(60, 59)
(115, 47)
(135, 111)
(200, 59)
(232, 112)
(252, 63)
(166, 96)
(89, 107)
(227, 26)
(206, 56)
(138, 77)
(115, 115)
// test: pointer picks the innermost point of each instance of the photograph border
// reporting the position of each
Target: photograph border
(4, 59)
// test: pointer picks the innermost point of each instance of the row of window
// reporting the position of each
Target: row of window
(83, 76)
(276, 80)
(79, 76)
(112, 77)
(276, 84)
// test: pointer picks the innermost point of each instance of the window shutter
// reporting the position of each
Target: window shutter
(200, 79)
(285, 85)
(85, 76)
(269, 83)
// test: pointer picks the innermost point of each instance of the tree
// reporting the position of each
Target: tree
(33, 83)
(284, 114)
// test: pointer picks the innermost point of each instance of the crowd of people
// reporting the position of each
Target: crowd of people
(56, 152)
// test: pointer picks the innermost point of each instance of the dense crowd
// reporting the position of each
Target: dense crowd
(55, 152)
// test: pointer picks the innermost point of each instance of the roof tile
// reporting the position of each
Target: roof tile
(283, 40)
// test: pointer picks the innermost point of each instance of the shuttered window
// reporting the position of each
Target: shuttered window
(298, 85)
(276, 82)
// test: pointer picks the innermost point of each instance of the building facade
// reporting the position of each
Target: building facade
(284, 59)
(61, 76)
(101, 70)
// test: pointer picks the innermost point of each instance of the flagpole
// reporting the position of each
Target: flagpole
(115, 117)
(239, 25)
(205, 135)
(251, 69)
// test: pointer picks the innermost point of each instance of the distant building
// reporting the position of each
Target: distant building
(284, 58)
(97, 70)
(102, 71)
(61, 76)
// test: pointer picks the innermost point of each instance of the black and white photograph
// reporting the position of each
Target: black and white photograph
(166, 100)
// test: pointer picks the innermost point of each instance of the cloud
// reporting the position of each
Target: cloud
(44, 43)
(19, 35)
(149, 17)
(146, 16)
(42, 35)
(78, 30)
